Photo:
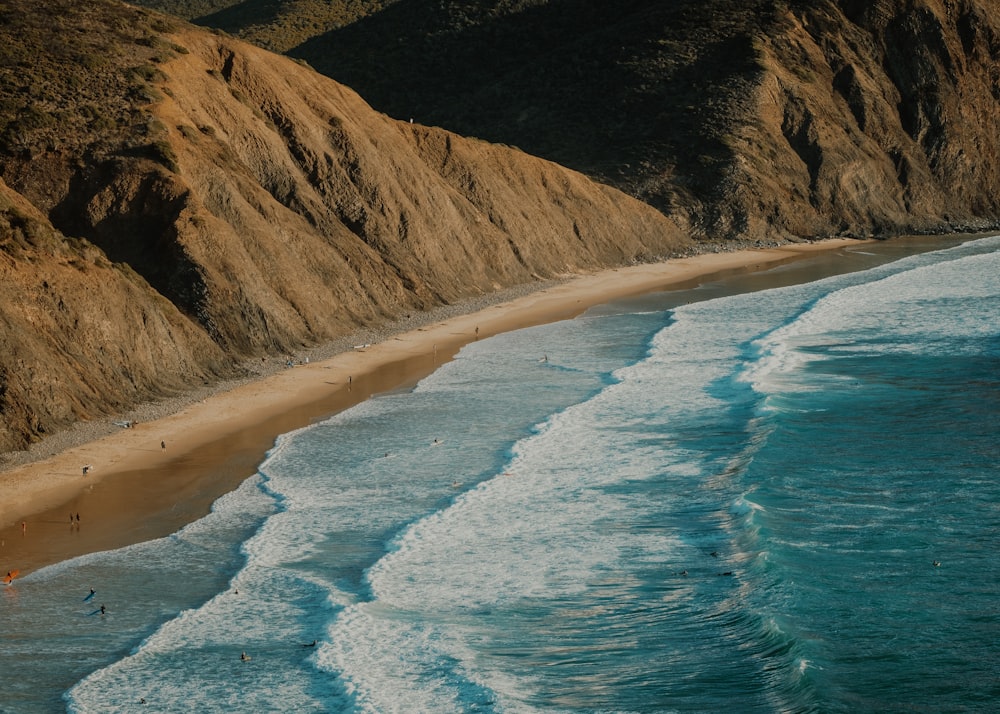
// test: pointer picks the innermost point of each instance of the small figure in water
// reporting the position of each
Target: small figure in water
(244, 657)
(311, 644)
(103, 611)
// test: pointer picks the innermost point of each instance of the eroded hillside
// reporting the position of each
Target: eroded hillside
(226, 203)
(247, 205)
(82, 336)
(752, 119)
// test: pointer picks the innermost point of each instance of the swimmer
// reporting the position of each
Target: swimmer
(244, 657)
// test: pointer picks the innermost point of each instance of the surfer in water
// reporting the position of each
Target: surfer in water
(244, 657)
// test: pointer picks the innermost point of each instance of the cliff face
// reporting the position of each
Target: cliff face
(870, 118)
(246, 205)
(175, 201)
(82, 336)
(752, 119)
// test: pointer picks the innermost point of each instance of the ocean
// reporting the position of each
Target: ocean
(781, 500)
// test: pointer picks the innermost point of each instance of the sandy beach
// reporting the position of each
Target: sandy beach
(147, 481)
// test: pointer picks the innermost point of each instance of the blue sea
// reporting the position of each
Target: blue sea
(782, 500)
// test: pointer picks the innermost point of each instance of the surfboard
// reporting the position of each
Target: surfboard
(92, 593)
(9, 577)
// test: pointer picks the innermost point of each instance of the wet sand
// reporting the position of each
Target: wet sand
(148, 481)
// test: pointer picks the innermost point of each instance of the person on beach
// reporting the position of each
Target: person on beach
(163, 445)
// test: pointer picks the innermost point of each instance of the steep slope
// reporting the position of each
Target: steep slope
(754, 119)
(306, 214)
(871, 118)
(270, 207)
(81, 335)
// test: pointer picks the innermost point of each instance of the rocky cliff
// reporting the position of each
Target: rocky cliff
(82, 336)
(227, 202)
(752, 119)
(175, 201)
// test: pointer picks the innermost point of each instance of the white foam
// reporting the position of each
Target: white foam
(543, 514)
(896, 307)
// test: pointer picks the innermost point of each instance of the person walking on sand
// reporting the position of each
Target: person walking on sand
(163, 445)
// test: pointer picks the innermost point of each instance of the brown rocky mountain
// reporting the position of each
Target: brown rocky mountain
(741, 118)
(175, 201)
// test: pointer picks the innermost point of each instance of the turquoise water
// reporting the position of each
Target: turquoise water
(777, 501)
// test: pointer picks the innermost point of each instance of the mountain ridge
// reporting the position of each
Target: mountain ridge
(735, 118)
(174, 201)
(256, 207)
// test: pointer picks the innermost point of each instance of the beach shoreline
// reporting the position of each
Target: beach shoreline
(151, 479)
